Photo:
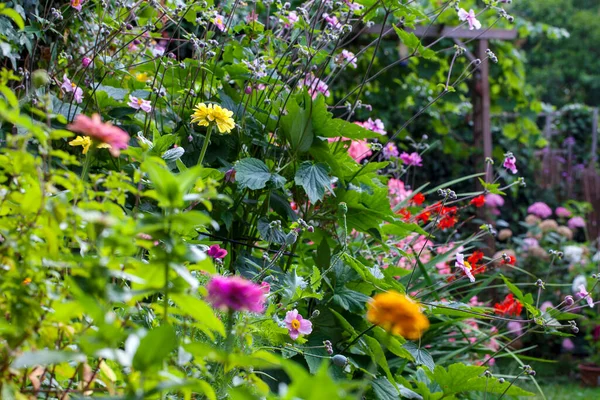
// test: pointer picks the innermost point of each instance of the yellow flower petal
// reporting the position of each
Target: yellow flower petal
(398, 314)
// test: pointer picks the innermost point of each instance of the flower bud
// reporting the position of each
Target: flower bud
(40, 78)
(569, 301)
(339, 360)
(315, 314)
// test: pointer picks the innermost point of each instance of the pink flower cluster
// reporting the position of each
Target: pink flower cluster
(416, 242)
(540, 209)
(576, 222)
(359, 150)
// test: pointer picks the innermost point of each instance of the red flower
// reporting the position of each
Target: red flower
(509, 306)
(404, 213)
(424, 216)
(418, 199)
(473, 260)
(478, 201)
(447, 221)
(513, 260)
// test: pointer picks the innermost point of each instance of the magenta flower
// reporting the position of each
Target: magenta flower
(234, 293)
(494, 200)
(576, 222)
(297, 325)
(464, 266)
(562, 212)
(86, 62)
(470, 18)
(215, 251)
(140, 104)
(540, 209)
(390, 150)
(107, 133)
(583, 294)
(219, 21)
(332, 21)
(266, 287)
(69, 87)
(359, 150)
(411, 159)
(510, 163)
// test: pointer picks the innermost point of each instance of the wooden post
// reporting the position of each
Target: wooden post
(482, 127)
(594, 155)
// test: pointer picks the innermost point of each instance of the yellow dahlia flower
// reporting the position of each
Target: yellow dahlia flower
(205, 114)
(398, 314)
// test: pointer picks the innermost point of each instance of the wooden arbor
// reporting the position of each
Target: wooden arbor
(482, 127)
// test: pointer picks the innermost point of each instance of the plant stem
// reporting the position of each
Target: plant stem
(205, 144)
(86, 164)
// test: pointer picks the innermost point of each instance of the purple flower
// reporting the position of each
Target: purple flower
(568, 345)
(562, 212)
(540, 209)
(576, 222)
(570, 141)
(411, 159)
(70, 87)
(494, 200)
(235, 294)
(510, 163)
(470, 18)
(140, 104)
(215, 251)
(86, 62)
(583, 294)
(390, 150)
(464, 266)
(297, 325)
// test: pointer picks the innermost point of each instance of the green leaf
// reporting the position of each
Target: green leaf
(12, 14)
(422, 356)
(314, 179)
(154, 348)
(252, 173)
(350, 300)
(297, 124)
(384, 390)
(200, 311)
(45, 357)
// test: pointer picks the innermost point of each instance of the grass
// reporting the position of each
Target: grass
(563, 390)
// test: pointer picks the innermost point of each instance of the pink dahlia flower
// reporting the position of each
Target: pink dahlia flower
(104, 132)
(235, 294)
(297, 325)
(540, 209)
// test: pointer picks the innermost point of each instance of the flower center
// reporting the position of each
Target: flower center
(296, 324)
(73, 85)
(140, 101)
(76, 3)
(468, 265)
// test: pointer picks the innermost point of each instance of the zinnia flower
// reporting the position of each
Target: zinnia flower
(465, 266)
(510, 163)
(215, 251)
(470, 18)
(583, 294)
(107, 133)
(70, 87)
(540, 209)
(398, 314)
(509, 306)
(411, 159)
(204, 115)
(86, 142)
(576, 222)
(140, 104)
(297, 325)
(235, 294)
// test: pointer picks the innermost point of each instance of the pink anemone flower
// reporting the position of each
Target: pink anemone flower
(297, 325)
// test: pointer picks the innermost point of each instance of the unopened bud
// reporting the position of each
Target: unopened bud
(339, 360)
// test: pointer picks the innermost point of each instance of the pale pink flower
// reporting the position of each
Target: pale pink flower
(583, 294)
(464, 266)
(576, 222)
(219, 21)
(494, 200)
(107, 133)
(235, 294)
(545, 306)
(70, 87)
(413, 159)
(568, 344)
(540, 209)
(510, 163)
(397, 191)
(76, 4)
(375, 126)
(252, 17)
(292, 18)
(359, 150)
(315, 86)
(515, 328)
(530, 243)
(140, 104)
(562, 212)
(297, 325)
(470, 18)
(390, 150)
(349, 57)
(332, 21)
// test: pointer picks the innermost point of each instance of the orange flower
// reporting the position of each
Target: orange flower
(397, 314)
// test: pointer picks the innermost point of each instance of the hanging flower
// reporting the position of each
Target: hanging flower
(583, 294)
(464, 266)
(215, 251)
(470, 18)
(347, 57)
(297, 325)
(140, 104)
(478, 201)
(509, 306)
(510, 163)
(235, 294)
(398, 314)
(70, 87)
(205, 114)
(107, 133)
(86, 142)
